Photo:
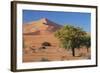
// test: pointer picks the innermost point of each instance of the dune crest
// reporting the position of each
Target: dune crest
(42, 26)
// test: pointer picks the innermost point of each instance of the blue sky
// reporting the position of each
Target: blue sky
(77, 19)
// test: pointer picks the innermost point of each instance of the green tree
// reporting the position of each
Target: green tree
(70, 37)
(86, 41)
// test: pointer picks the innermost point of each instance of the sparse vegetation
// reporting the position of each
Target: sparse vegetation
(46, 44)
(86, 41)
(72, 37)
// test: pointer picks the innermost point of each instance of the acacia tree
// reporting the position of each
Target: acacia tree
(86, 41)
(70, 37)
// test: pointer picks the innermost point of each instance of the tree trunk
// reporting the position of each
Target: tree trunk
(87, 50)
(73, 51)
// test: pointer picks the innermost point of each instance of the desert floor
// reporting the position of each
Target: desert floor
(33, 53)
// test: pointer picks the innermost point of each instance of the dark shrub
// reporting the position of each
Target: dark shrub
(46, 44)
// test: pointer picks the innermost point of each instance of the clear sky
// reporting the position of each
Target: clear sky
(77, 19)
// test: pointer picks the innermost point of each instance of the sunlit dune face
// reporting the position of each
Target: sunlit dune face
(43, 25)
(40, 27)
(34, 29)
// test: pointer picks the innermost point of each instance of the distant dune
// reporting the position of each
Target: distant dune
(42, 26)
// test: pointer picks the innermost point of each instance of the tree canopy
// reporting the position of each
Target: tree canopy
(70, 37)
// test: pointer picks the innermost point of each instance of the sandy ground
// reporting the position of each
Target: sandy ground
(33, 53)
